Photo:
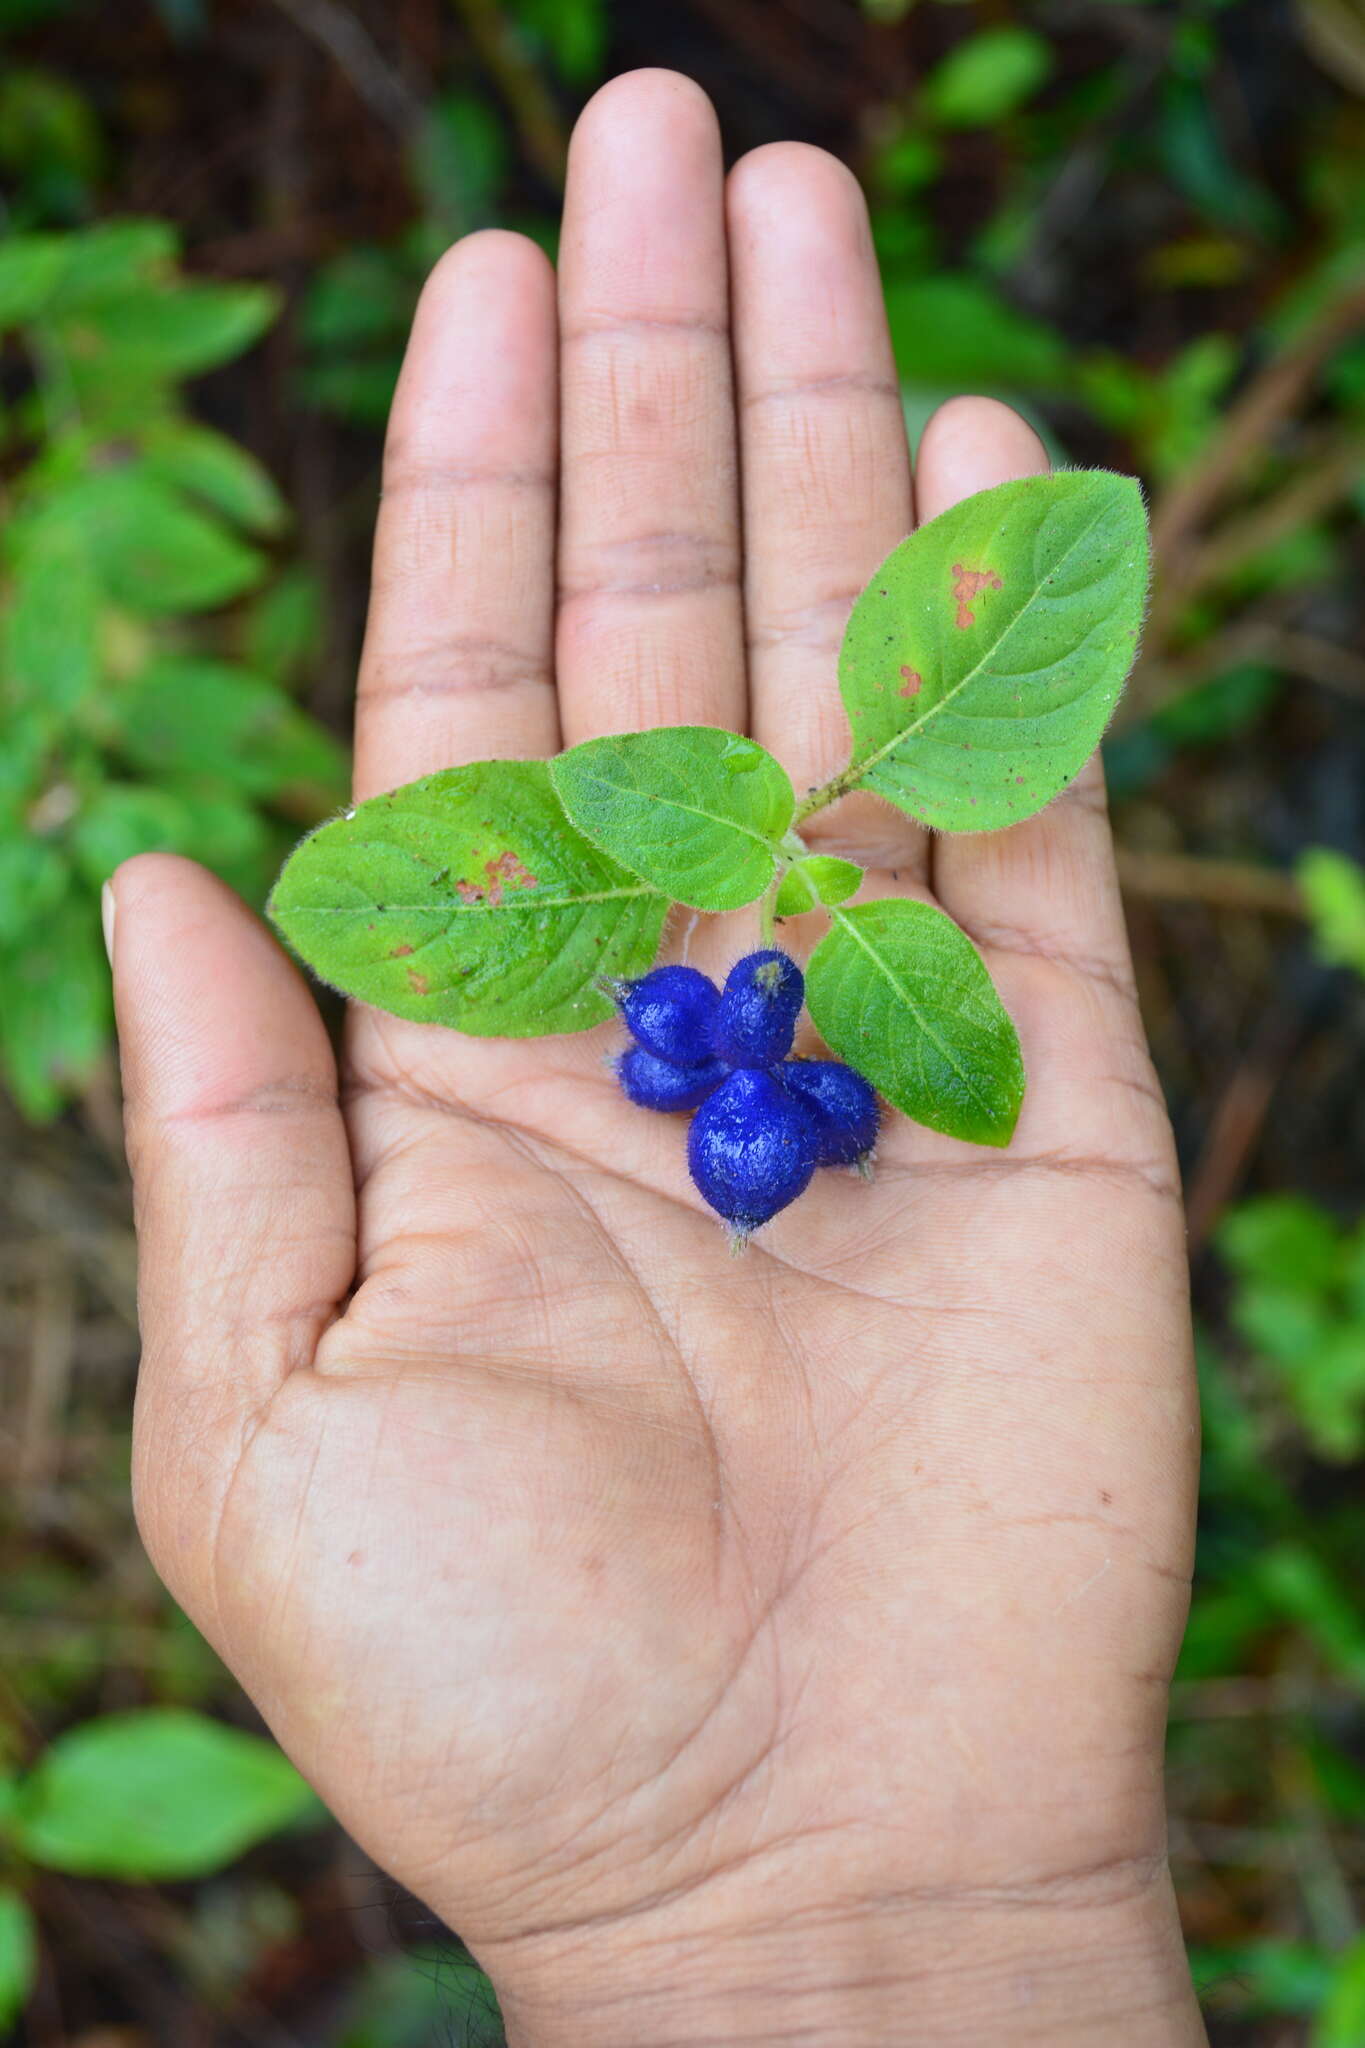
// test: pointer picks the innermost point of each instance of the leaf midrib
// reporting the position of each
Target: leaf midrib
(842, 918)
(761, 839)
(524, 900)
(864, 767)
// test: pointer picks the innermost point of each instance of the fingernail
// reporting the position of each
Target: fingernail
(108, 912)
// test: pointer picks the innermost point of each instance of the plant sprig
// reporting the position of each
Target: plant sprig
(979, 669)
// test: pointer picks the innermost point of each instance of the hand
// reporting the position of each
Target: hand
(731, 1650)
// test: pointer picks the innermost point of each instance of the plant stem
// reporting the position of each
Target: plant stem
(767, 929)
(828, 793)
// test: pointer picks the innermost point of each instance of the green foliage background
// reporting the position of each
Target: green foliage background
(1142, 222)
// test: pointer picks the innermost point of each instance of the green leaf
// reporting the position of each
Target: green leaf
(205, 719)
(820, 878)
(897, 990)
(1334, 890)
(54, 1006)
(151, 549)
(985, 78)
(169, 333)
(955, 330)
(106, 261)
(284, 630)
(984, 659)
(1283, 1239)
(694, 810)
(155, 1794)
(573, 32)
(1341, 2023)
(212, 468)
(18, 1955)
(29, 268)
(468, 899)
(49, 633)
(422, 1996)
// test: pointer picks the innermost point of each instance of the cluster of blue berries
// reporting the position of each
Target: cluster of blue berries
(763, 1122)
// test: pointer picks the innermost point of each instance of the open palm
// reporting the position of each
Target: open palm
(613, 1591)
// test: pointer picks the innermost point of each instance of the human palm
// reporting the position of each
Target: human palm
(612, 1590)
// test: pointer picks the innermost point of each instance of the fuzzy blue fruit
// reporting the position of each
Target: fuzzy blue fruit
(662, 1084)
(669, 1012)
(755, 1020)
(751, 1149)
(841, 1105)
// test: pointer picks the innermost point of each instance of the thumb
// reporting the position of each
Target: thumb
(243, 1191)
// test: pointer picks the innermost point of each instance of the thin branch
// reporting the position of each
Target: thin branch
(355, 53)
(1249, 424)
(1222, 884)
(532, 104)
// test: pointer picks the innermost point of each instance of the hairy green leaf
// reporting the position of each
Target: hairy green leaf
(820, 878)
(984, 659)
(695, 810)
(898, 991)
(468, 899)
(18, 1955)
(157, 1793)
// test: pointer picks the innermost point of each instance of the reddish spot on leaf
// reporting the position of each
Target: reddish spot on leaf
(913, 683)
(507, 868)
(399, 952)
(966, 583)
(420, 985)
(469, 892)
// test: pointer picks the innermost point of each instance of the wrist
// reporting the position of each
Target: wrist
(1095, 1957)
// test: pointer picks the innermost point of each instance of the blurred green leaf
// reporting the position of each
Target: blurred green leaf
(104, 262)
(55, 1009)
(956, 330)
(1261, 1977)
(189, 718)
(215, 470)
(459, 160)
(50, 144)
(1305, 1590)
(422, 1996)
(1283, 1239)
(987, 77)
(149, 546)
(18, 1955)
(48, 630)
(143, 335)
(29, 268)
(1334, 890)
(573, 34)
(285, 631)
(1341, 2023)
(155, 1794)
(33, 880)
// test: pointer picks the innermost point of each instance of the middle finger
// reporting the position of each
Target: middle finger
(650, 625)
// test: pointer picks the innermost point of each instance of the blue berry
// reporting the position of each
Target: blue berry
(659, 1084)
(756, 1018)
(751, 1149)
(669, 1012)
(841, 1105)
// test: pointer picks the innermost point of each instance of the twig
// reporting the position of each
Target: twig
(1310, 493)
(1224, 884)
(532, 104)
(1249, 424)
(355, 53)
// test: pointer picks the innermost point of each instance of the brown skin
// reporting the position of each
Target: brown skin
(733, 1651)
